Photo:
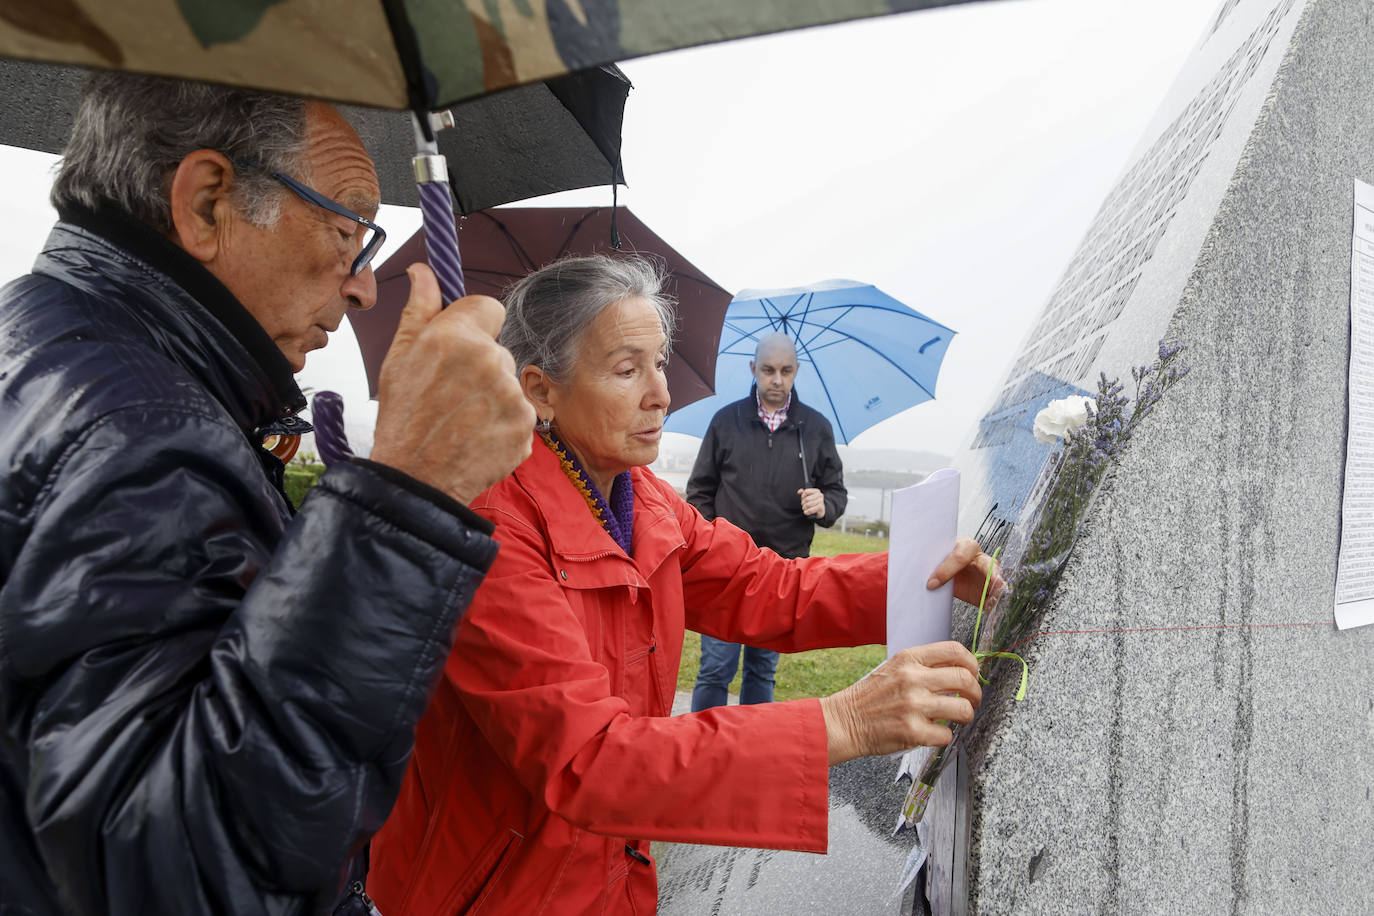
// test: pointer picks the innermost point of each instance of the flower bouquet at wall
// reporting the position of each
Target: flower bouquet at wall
(1095, 432)
(1091, 446)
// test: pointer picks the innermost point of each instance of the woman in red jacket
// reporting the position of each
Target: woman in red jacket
(548, 758)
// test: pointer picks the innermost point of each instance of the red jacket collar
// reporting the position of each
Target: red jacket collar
(576, 536)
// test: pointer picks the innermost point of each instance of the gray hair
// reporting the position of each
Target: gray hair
(548, 311)
(132, 131)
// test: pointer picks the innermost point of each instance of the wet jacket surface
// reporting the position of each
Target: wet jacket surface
(207, 704)
(547, 759)
(751, 476)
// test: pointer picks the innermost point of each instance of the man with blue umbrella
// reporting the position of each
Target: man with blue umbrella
(768, 464)
(867, 355)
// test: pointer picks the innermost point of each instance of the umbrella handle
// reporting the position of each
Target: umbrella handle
(436, 207)
(441, 238)
(326, 415)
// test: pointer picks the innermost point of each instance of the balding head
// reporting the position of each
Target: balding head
(775, 369)
(776, 346)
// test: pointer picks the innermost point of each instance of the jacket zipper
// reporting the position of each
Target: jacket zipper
(587, 557)
(654, 674)
(358, 891)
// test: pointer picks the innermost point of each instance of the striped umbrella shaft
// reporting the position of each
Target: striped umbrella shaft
(326, 415)
(441, 238)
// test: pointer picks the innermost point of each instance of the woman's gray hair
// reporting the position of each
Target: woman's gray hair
(132, 132)
(548, 311)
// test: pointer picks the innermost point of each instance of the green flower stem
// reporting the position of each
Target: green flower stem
(918, 796)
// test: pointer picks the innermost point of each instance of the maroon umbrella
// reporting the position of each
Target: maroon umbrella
(501, 246)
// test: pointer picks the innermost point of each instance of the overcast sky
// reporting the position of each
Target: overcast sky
(953, 158)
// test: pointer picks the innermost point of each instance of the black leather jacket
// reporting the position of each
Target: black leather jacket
(750, 477)
(206, 704)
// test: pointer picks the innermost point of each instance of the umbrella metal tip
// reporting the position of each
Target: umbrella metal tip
(439, 120)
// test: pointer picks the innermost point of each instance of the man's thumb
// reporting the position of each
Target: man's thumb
(424, 302)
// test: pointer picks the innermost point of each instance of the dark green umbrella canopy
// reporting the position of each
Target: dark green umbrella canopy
(508, 146)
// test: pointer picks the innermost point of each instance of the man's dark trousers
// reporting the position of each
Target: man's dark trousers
(719, 660)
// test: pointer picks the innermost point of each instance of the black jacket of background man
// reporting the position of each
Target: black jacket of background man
(206, 705)
(750, 477)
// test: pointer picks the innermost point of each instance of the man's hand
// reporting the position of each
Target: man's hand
(812, 502)
(968, 566)
(450, 411)
(901, 705)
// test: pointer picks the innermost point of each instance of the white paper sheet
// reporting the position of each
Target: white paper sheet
(914, 859)
(925, 519)
(1355, 568)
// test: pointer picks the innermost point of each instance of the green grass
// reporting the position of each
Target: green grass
(807, 674)
(830, 541)
(300, 477)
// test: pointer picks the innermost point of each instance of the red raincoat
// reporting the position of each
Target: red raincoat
(547, 758)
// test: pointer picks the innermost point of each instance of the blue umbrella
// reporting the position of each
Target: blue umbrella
(863, 356)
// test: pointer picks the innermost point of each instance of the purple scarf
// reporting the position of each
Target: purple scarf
(617, 516)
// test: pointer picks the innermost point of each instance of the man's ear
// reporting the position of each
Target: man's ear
(538, 391)
(200, 203)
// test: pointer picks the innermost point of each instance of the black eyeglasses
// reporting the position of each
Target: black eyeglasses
(376, 235)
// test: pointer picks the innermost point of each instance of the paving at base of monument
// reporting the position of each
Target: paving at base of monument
(859, 876)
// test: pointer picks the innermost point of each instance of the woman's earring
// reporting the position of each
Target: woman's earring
(543, 425)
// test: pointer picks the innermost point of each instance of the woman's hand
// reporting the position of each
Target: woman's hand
(901, 704)
(968, 566)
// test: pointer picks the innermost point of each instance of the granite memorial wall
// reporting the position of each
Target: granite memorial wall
(1198, 736)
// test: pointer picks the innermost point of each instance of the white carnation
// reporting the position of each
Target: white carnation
(1060, 417)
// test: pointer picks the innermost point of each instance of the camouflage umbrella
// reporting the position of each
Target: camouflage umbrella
(421, 55)
(407, 54)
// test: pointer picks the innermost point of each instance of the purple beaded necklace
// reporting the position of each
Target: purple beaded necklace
(617, 516)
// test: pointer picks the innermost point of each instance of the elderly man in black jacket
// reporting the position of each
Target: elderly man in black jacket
(768, 464)
(209, 699)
